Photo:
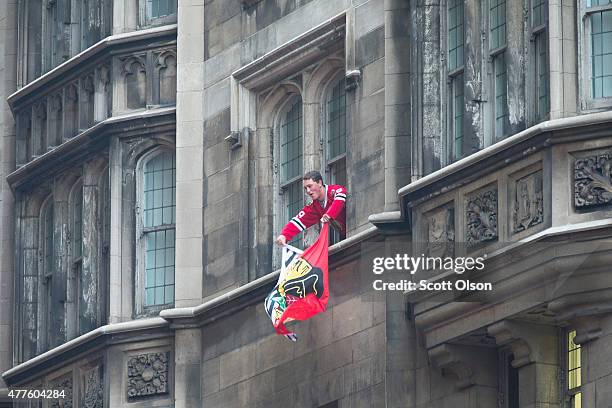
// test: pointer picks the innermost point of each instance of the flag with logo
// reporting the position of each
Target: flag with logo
(302, 289)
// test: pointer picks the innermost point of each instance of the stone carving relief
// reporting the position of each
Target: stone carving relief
(481, 217)
(441, 232)
(593, 181)
(147, 375)
(93, 388)
(528, 203)
(63, 384)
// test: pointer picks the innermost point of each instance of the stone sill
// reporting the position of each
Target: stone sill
(81, 143)
(106, 44)
(501, 154)
(84, 340)
(246, 295)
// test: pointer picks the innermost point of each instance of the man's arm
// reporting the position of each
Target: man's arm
(338, 204)
(304, 219)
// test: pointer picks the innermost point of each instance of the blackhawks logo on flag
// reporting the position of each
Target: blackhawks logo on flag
(302, 289)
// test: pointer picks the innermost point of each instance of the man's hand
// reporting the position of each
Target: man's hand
(325, 218)
(281, 240)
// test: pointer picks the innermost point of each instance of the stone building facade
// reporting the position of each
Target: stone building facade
(152, 149)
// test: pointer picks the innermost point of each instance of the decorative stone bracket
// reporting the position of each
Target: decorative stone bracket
(529, 342)
(235, 138)
(454, 360)
(584, 316)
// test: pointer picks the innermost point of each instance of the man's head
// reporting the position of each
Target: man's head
(313, 185)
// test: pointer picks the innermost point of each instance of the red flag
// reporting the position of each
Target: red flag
(306, 284)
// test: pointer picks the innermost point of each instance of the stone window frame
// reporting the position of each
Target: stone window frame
(46, 272)
(144, 21)
(588, 102)
(455, 80)
(75, 269)
(140, 309)
(104, 214)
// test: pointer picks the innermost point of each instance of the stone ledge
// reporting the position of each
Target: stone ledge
(246, 295)
(107, 44)
(141, 121)
(82, 344)
(501, 154)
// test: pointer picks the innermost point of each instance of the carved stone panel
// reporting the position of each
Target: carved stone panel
(63, 384)
(593, 181)
(527, 202)
(481, 216)
(147, 375)
(92, 388)
(441, 231)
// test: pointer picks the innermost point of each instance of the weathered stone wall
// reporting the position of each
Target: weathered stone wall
(8, 82)
(339, 356)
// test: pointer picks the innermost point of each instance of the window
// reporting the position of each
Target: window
(508, 380)
(497, 56)
(574, 371)
(597, 49)
(48, 268)
(75, 286)
(539, 54)
(291, 163)
(157, 227)
(456, 30)
(157, 12)
(335, 151)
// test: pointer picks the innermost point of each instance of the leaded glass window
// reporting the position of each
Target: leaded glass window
(160, 8)
(48, 271)
(457, 103)
(77, 223)
(455, 34)
(574, 371)
(335, 155)
(456, 43)
(501, 95)
(539, 56)
(292, 141)
(601, 49)
(497, 22)
(291, 158)
(497, 55)
(159, 190)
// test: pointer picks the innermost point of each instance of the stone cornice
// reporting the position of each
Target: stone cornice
(153, 121)
(293, 56)
(136, 40)
(520, 289)
(85, 343)
(502, 153)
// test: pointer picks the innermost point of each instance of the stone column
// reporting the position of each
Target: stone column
(188, 368)
(189, 150)
(8, 82)
(397, 100)
(535, 350)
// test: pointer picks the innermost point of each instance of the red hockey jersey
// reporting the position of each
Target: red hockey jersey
(312, 213)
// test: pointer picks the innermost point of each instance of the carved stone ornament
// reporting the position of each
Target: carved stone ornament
(528, 206)
(147, 375)
(441, 232)
(63, 384)
(481, 217)
(593, 181)
(93, 391)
